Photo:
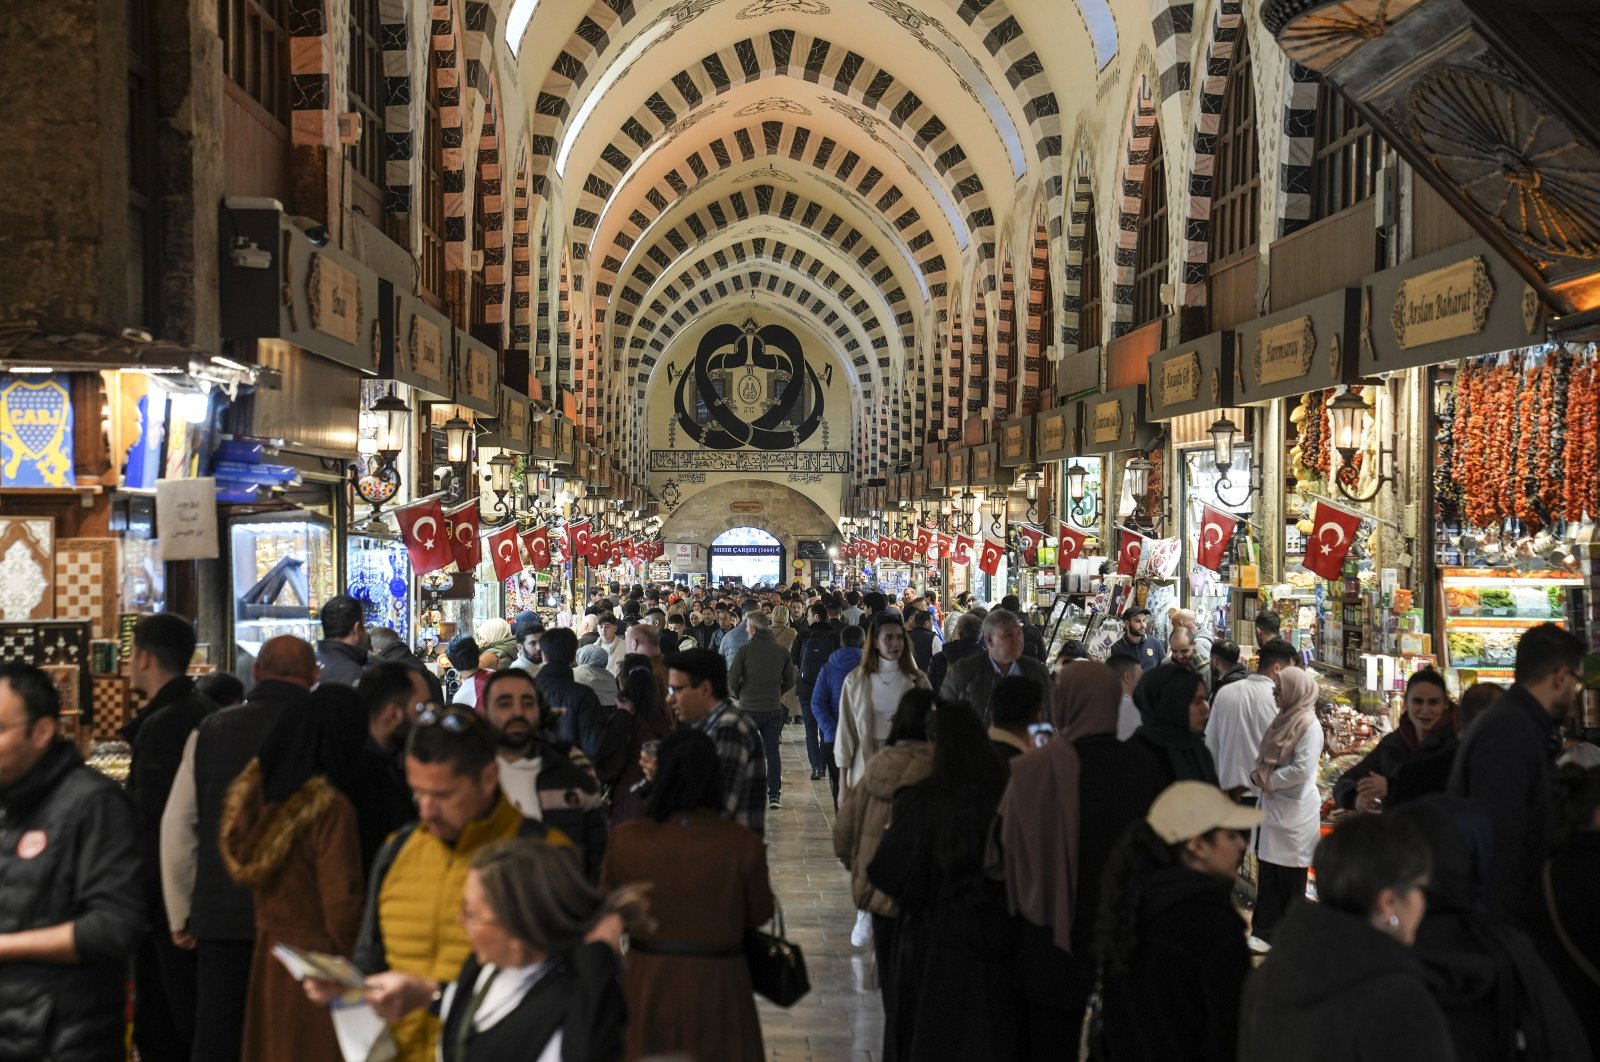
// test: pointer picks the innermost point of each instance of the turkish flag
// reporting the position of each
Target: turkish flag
(503, 551)
(1216, 529)
(537, 543)
(578, 539)
(1330, 540)
(1070, 548)
(869, 549)
(626, 548)
(600, 548)
(463, 524)
(422, 530)
(962, 553)
(1128, 552)
(924, 542)
(1032, 539)
(945, 543)
(904, 548)
(989, 558)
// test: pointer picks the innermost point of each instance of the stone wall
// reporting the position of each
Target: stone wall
(783, 512)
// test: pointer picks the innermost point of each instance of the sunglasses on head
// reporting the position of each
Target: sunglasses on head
(454, 719)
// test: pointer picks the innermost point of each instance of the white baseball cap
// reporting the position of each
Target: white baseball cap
(1190, 809)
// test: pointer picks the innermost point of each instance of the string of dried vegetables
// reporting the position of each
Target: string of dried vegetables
(1446, 487)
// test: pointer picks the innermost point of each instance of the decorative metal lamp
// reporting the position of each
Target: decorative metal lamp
(1223, 432)
(377, 480)
(1347, 416)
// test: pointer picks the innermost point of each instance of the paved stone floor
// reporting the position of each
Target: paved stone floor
(841, 1019)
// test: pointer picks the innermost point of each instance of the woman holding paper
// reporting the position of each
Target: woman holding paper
(289, 833)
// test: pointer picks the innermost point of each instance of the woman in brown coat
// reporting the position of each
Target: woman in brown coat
(687, 985)
(289, 833)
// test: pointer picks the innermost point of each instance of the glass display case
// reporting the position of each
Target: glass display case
(1485, 611)
(380, 578)
(283, 571)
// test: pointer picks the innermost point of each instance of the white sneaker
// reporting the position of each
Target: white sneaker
(861, 935)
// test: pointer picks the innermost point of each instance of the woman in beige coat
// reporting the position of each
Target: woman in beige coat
(783, 630)
(870, 697)
(905, 759)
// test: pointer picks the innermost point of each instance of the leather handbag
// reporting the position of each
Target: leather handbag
(777, 968)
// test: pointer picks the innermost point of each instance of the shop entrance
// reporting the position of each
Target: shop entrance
(746, 555)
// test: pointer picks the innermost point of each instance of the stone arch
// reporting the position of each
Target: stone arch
(1039, 296)
(1299, 147)
(1172, 22)
(1003, 400)
(978, 368)
(788, 515)
(521, 332)
(405, 67)
(1141, 132)
(955, 377)
(1224, 30)
(1082, 229)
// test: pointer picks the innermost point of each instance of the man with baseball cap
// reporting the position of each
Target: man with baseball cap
(1137, 642)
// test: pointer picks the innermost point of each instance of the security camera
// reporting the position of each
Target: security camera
(443, 477)
(247, 254)
(315, 231)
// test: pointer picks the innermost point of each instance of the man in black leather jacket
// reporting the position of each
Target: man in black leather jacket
(72, 903)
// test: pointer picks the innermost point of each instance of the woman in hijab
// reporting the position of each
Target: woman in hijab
(1172, 700)
(1286, 773)
(1411, 761)
(1053, 864)
(1498, 997)
(494, 636)
(289, 833)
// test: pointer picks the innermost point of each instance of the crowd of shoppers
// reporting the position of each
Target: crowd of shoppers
(556, 866)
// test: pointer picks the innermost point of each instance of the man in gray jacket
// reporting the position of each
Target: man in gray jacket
(973, 678)
(761, 674)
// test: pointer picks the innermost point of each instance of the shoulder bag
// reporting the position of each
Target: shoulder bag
(777, 968)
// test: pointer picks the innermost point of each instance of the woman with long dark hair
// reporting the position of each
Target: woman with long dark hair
(1053, 862)
(1411, 761)
(870, 697)
(687, 985)
(639, 694)
(1171, 946)
(904, 760)
(956, 981)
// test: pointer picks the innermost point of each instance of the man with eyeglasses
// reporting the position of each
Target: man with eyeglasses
(973, 678)
(1506, 764)
(412, 922)
(539, 778)
(1240, 715)
(697, 694)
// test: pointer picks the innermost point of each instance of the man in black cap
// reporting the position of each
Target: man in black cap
(1137, 643)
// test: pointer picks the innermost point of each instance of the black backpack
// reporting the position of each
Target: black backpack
(819, 645)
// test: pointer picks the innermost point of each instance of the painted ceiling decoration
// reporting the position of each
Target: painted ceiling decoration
(752, 387)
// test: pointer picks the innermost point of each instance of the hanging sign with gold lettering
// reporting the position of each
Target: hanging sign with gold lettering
(427, 349)
(1105, 421)
(1179, 380)
(333, 294)
(1442, 304)
(1283, 352)
(35, 431)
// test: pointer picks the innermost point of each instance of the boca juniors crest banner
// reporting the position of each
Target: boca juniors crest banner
(35, 431)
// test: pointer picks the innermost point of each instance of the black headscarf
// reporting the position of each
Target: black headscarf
(322, 733)
(1163, 697)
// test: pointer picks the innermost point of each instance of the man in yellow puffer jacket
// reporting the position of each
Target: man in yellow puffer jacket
(413, 916)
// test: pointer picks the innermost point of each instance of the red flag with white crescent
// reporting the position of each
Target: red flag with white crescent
(578, 539)
(1032, 538)
(1332, 535)
(962, 553)
(1216, 530)
(869, 549)
(462, 522)
(537, 543)
(1070, 548)
(945, 543)
(503, 551)
(600, 548)
(427, 542)
(989, 558)
(924, 542)
(1128, 551)
(903, 548)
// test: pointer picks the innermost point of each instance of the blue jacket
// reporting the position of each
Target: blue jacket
(830, 686)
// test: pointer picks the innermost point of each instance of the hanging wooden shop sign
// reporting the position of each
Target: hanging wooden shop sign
(333, 295)
(1105, 421)
(426, 344)
(1442, 304)
(1284, 351)
(1179, 380)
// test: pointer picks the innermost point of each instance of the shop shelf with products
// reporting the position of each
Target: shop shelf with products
(1486, 610)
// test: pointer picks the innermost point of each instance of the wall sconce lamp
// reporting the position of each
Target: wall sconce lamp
(1136, 478)
(1223, 431)
(1079, 501)
(376, 480)
(1347, 416)
(1030, 488)
(997, 513)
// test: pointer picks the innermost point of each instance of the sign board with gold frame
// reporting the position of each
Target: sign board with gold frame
(1055, 432)
(938, 473)
(1299, 349)
(1192, 378)
(985, 469)
(958, 467)
(1116, 421)
(415, 341)
(1460, 301)
(1016, 442)
(477, 375)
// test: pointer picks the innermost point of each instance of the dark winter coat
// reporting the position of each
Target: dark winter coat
(973, 679)
(1179, 998)
(923, 641)
(341, 662)
(762, 673)
(1032, 640)
(1325, 969)
(1506, 764)
(1569, 899)
(69, 852)
(581, 719)
(1412, 772)
(580, 997)
(954, 650)
(1236, 673)
(955, 966)
(157, 736)
(830, 687)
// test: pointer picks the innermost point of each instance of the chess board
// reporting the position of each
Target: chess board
(50, 644)
(112, 708)
(86, 583)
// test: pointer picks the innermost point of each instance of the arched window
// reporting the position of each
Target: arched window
(1236, 197)
(432, 193)
(1150, 252)
(367, 99)
(1091, 309)
(255, 51)
(1344, 168)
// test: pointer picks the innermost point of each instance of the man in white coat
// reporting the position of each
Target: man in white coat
(1240, 716)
